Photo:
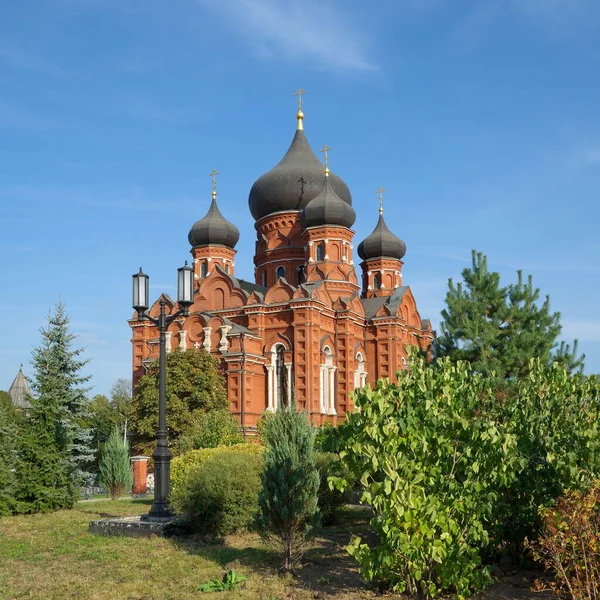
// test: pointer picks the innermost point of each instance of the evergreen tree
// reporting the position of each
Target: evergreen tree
(115, 467)
(290, 484)
(59, 398)
(499, 328)
(194, 386)
(8, 457)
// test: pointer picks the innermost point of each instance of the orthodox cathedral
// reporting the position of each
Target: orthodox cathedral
(310, 329)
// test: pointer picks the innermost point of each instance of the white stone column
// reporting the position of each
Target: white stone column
(206, 343)
(331, 381)
(323, 389)
(168, 335)
(270, 387)
(183, 339)
(288, 370)
(224, 343)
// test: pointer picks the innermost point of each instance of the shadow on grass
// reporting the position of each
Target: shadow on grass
(326, 567)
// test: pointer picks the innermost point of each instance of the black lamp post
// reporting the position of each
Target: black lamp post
(162, 455)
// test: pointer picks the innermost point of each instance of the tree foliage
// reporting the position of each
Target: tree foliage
(194, 386)
(431, 462)
(496, 328)
(555, 416)
(211, 429)
(8, 457)
(115, 466)
(290, 484)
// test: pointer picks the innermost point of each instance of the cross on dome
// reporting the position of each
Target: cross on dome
(380, 192)
(300, 114)
(214, 174)
(325, 149)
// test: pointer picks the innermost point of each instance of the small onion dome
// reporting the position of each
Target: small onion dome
(327, 208)
(214, 229)
(294, 182)
(382, 242)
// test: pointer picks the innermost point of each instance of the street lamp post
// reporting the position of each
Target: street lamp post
(160, 508)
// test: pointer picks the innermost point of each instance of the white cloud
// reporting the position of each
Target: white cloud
(585, 331)
(310, 29)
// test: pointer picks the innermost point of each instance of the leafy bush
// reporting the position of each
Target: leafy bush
(555, 415)
(290, 482)
(569, 544)
(180, 465)
(327, 438)
(329, 499)
(115, 466)
(220, 496)
(231, 581)
(430, 462)
(211, 429)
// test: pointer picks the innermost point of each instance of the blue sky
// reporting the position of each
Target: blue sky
(479, 117)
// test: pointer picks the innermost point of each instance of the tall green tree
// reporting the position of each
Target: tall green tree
(499, 328)
(290, 484)
(59, 401)
(194, 386)
(8, 457)
(115, 467)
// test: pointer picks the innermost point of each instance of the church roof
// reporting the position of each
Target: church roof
(327, 208)
(19, 390)
(372, 305)
(381, 243)
(214, 229)
(293, 182)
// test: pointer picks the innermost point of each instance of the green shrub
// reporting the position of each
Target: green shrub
(329, 499)
(290, 483)
(430, 462)
(555, 415)
(115, 473)
(569, 544)
(182, 463)
(211, 429)
(220, 496)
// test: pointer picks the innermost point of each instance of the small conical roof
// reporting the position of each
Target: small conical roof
(327, 208)
(381, 243)
(293, 182)
(214, 229)
(19, 391)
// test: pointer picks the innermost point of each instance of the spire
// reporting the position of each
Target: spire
(19, 391)
(324, 150)
(300, 114)
(214, 174)
(380, 192)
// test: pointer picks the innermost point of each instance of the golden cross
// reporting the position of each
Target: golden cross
(380, 192)
(214, 174)
(324, 150)
(299, 94)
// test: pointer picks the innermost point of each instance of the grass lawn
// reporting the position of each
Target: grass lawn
(52, 556)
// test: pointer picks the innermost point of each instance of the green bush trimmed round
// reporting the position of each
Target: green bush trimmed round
(220, 496)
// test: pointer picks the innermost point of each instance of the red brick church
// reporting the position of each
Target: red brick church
(310, 328)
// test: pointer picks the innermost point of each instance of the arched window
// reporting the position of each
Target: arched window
(204, 269)
(280, 272)
(300, 275)
(377, 281)
(280, 378)
(263, 278)
(327, 383)
(321, 251)
(360, 375)
(226, 267)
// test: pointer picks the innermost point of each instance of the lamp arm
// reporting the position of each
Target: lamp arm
(145, 316)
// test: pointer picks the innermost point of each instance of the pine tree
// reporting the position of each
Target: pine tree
(55, 447)
(499, 328)
(290, 484)
(115, 467)
(8, 457)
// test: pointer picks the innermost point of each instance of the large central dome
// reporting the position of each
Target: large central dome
(294, 182)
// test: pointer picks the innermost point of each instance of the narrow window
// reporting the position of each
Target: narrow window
(280, 272)
(204, 269)
(321, 252)
(377, 281)
(263, 278)
(300, 275)
(280, 378)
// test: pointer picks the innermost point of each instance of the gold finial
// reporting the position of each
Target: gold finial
(214, 174)
(324, 150)
(380, 192)
(300, 114)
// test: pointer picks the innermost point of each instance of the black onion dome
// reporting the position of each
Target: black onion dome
(327, 208)
(293, 182)
(382, 242)
(214, 230)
